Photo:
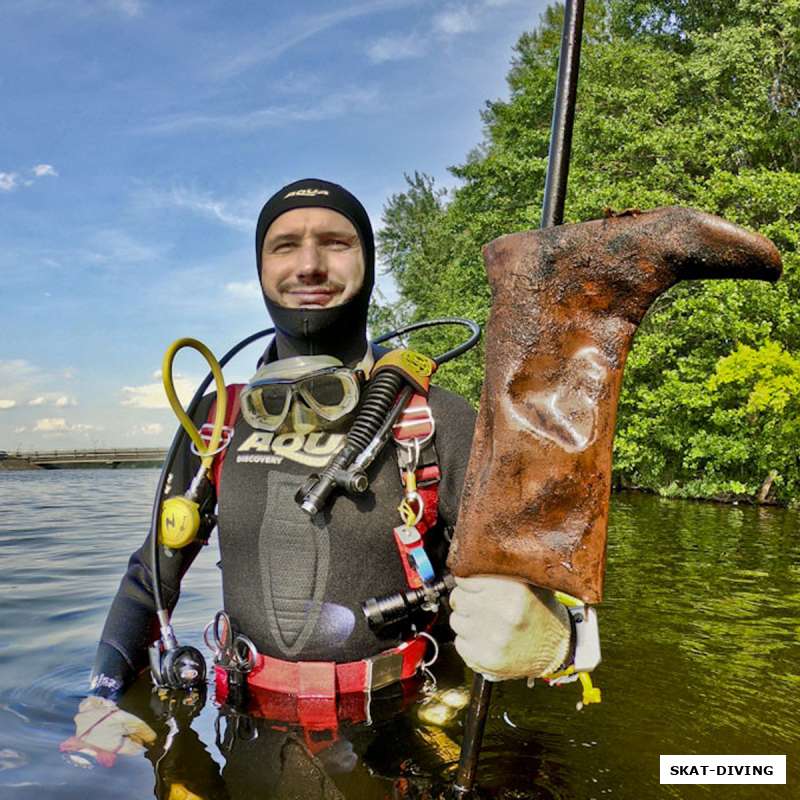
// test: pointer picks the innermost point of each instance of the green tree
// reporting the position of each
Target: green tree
(680, 102)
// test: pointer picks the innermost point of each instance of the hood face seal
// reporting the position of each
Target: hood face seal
(340, 331)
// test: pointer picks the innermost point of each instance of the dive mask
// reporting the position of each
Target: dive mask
(318, 391)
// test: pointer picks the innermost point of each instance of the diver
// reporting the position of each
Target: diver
(293, 582)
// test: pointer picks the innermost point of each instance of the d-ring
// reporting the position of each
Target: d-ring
(432, 661)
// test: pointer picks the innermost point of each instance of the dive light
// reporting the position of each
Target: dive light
(397, 606)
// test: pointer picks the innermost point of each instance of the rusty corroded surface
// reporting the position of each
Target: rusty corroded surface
(566, 303)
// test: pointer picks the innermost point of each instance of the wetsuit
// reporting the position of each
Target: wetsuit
(293, 583)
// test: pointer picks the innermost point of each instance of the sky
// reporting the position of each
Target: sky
(138, 142)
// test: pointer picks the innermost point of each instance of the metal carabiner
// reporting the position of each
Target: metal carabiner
(244, 653)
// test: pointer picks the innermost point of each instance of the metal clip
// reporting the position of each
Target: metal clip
(408, 457)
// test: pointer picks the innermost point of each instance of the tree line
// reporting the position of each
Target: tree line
(680, 102)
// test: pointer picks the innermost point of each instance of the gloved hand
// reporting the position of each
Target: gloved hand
(103, 730)
(506, 628)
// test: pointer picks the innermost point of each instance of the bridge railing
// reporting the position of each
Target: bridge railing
(98, 453)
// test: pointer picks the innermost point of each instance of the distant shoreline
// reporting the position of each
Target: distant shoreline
(12, 464)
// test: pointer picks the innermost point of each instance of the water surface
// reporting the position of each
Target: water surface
(699, 627)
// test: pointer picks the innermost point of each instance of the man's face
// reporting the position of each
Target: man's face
(311, 258)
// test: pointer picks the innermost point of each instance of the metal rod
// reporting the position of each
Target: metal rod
(473, 736)
(555, 187)
(555, 192)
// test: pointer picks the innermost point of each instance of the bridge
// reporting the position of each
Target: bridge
(106, 457)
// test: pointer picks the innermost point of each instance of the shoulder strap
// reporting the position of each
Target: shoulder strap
(233, 392)
(416, 424)
(413, 437)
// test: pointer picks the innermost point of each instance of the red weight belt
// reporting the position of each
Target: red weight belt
(328, 678)
(317, 694)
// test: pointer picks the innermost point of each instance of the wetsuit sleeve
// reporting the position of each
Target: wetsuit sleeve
(131, 622)
(455, 426)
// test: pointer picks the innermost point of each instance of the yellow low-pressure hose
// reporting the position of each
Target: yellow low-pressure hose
(180, 515)
(206, 451)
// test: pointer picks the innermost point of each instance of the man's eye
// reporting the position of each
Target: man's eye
(339, 244)
(283, 247)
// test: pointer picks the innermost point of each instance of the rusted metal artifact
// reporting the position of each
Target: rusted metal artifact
(566, 303)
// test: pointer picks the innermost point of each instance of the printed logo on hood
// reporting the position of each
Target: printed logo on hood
(306, 193)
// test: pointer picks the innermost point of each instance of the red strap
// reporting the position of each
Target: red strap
(416, 421)
(233, 393)
(405, 548)
(324, 681)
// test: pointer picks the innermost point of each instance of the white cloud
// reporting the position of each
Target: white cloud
(152, 395)
(128, 8)
(244, 290)
(60, 425)
(198, 202)
(150, 429)
(329, 106)
(114, 247)
(14, 368)
(25, 384)
(43, 170)
(52, 399)
(454, 21)
(396, 48)
(8, 181)
(51, 425)
(306, 28)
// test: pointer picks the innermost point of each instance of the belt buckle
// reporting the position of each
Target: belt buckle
(385, 669)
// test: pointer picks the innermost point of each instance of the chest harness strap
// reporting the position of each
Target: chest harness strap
(233, 392)
(420, 476)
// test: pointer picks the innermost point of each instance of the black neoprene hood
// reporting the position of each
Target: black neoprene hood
(340, 330)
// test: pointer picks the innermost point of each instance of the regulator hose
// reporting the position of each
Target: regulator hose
(206, 450)
(384, 400)
(468, 344)
(381, 392)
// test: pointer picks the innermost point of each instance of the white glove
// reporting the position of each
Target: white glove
(507, 628)
(103, 730)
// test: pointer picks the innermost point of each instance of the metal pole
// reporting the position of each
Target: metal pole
(555, 192)
(479, 699)
(555, 187)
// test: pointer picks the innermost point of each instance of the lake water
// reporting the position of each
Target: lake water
(701, 654)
